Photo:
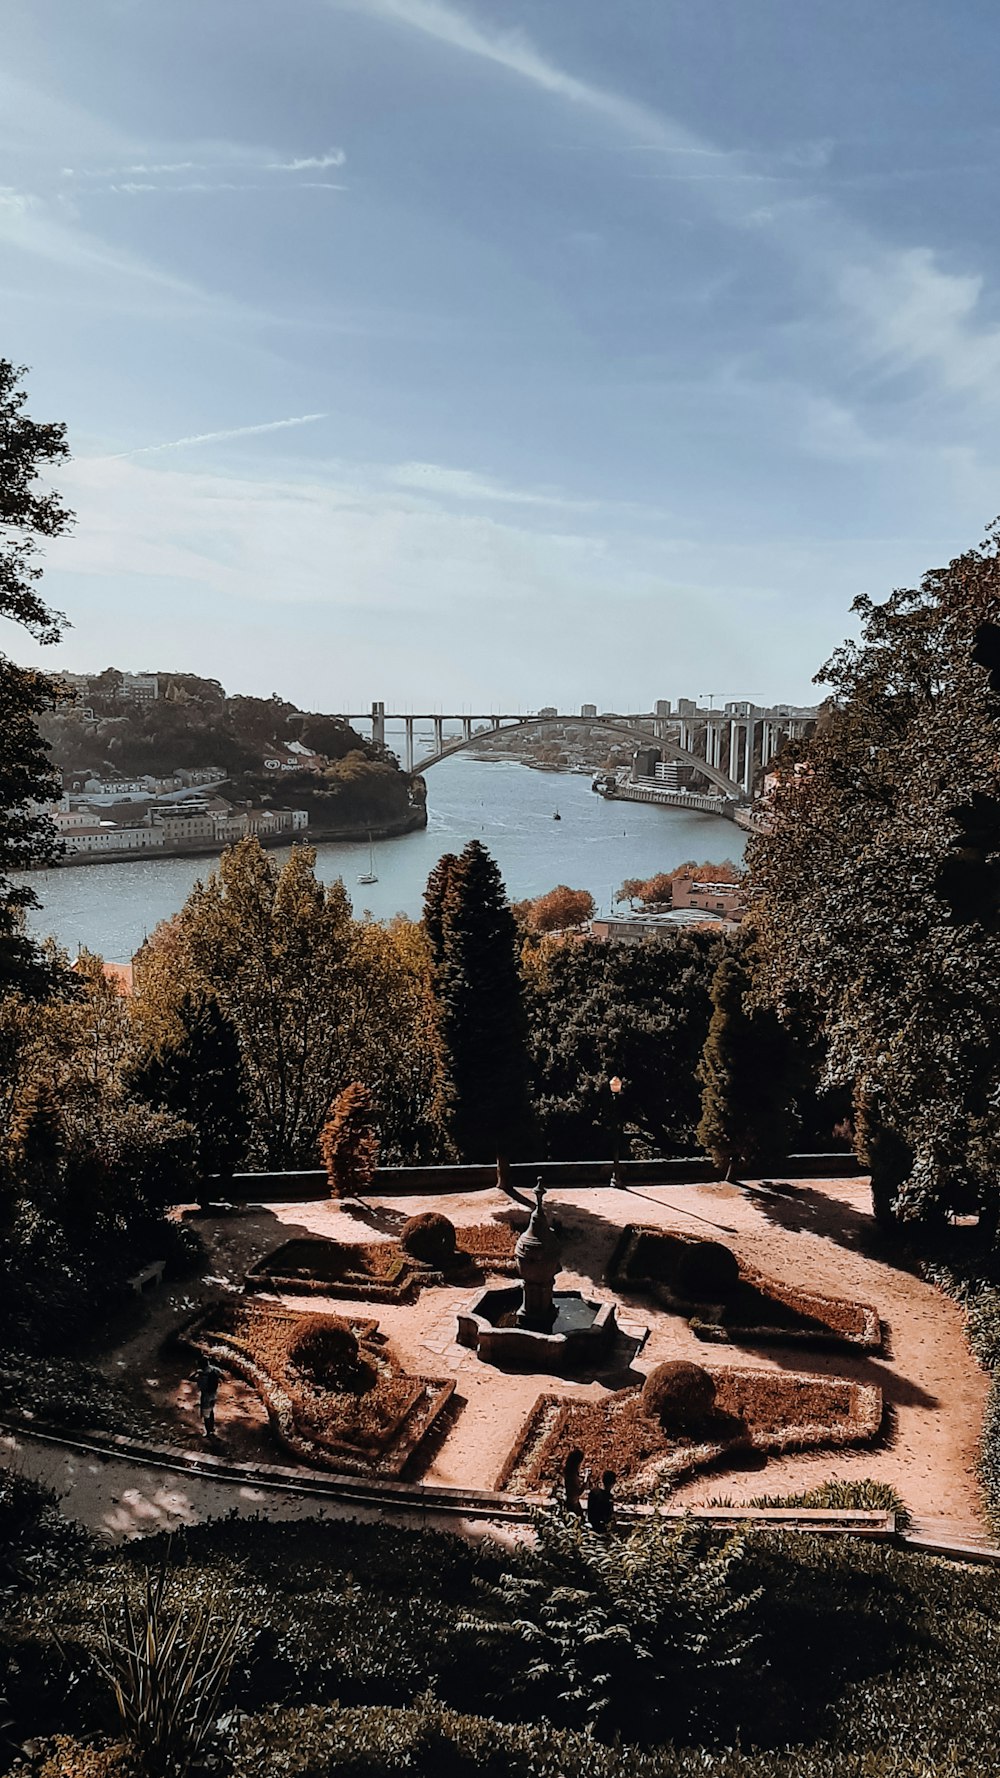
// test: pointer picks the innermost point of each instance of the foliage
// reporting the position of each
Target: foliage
(199, 1077)
(638, 1011)
(28, 513)
(325, 1349)
(68, 1392)
(168, 1674)
(870, 1662)
(429, 1237)
(479, 993)
(317, 1000)
(864, 1495)
(744, 1076)
(847, 913)
(705, 1270)
(630, 1633)
(561, 909)
(348, 1143)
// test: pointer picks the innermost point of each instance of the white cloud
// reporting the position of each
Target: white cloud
(335, 157)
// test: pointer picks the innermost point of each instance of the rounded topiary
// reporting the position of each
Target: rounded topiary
(325, 1350)
(678, 1394)
(706, 1271)
(429, 1238)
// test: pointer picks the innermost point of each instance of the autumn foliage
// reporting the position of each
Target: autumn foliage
(348, 1142)
(657, 891)
(562, 907)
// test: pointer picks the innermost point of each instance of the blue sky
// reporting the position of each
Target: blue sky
(485, 354)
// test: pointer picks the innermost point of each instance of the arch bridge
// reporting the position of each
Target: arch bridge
(741, 740)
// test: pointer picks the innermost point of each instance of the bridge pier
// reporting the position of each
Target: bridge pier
(438, 734)
(378, 724)
(408, 744)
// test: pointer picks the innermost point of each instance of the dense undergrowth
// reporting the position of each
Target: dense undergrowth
(976, 1285)
(366, 1650)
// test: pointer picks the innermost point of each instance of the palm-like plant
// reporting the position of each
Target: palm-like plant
(168, 1670)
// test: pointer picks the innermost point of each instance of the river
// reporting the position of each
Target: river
(109, 908)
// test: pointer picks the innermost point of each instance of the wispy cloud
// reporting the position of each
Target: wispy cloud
(897, 306)
(199, 438)
(466, 485)
(130, 188)
(335, 157)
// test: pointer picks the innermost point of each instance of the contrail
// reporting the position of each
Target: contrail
(196, 438)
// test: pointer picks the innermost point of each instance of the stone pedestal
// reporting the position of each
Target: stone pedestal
(537, 1255)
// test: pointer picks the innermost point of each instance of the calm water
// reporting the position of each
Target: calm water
(111, 907)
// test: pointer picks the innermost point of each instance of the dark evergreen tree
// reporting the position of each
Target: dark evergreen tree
(199, 1077)
(27, 513)
(744, 1071)
(348, 1142)
(638, 1011)
(479, 991)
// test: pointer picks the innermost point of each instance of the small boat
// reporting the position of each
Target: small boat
(371, 874)
(557, 816)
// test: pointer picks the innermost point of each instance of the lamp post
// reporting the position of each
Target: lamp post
(615, 1084)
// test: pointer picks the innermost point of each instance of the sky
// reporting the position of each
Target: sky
(485, 354)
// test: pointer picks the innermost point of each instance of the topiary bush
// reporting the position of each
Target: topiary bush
(326, 1352)
(706, 1271)
(429, 1238)
(678, 1394)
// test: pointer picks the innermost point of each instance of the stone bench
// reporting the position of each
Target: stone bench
(150, 1275)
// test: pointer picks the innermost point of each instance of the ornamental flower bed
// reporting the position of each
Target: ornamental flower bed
(379, 1271)
(745, 1306)
(755, 1411)
(362, 1415)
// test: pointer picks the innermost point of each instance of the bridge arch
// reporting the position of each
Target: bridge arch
(633, 731)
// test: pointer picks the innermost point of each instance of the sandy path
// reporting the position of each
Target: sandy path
(817, 1233)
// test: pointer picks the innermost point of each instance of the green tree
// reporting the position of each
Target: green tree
(846, 912)
(28, 513)
(479, 991)
(744, 1071)
(198, 1074)
(639, 1011)
(273, 945)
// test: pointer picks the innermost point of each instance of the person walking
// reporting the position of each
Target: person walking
(208, 1376)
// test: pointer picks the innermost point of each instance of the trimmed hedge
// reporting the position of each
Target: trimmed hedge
(979, 1295)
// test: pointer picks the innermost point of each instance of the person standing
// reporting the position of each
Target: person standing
(208, 1376)
(601, 1505)
(573, 1482)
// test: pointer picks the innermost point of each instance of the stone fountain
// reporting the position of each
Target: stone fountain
(532, 1325)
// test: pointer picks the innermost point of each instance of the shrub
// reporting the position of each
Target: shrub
(326, 1352)
(678, 1394)
(348, 1142)
(429, 1238)
(706, 1271)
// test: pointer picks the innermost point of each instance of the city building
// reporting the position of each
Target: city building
(725, 899)
(588, 709)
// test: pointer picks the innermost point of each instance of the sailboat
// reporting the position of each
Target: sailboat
(371, 874)
(556, 816)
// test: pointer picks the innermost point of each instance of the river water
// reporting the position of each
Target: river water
(110, 908)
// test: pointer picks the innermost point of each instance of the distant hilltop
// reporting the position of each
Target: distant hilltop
(169, 761)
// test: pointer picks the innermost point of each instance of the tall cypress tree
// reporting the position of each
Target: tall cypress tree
(745, 1077)
(477, 982)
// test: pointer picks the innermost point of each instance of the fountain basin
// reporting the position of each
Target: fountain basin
(581, 1332)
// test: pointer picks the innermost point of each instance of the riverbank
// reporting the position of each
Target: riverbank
(307, 836)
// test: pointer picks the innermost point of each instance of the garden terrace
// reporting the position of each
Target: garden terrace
(756, 1413)
(749, 1308)
(363, 1416)
(379, 1271)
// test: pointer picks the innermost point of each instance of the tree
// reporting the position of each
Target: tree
(477, 984)
(27, 514)
(639, 1011)
(560, 908)
(744, 1076)
(348, 1142)
(198, 1074)
(273, 945)
(848, 911)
